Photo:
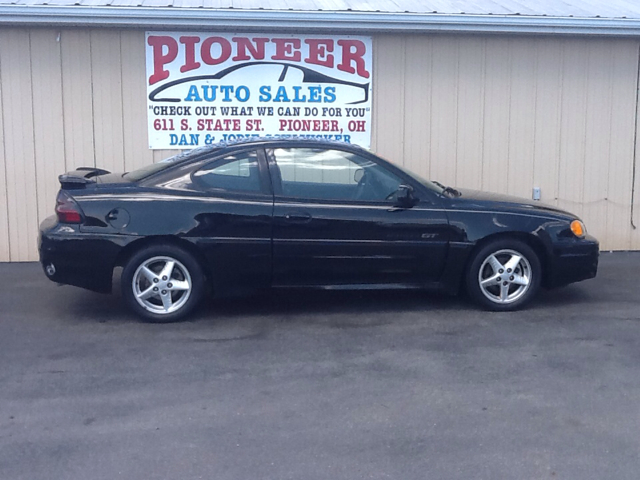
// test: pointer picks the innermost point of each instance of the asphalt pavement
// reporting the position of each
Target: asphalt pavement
(322, 385)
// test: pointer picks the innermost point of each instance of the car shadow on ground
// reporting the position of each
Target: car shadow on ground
(349, 309)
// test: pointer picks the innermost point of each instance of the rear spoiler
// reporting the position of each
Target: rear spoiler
(81, 177)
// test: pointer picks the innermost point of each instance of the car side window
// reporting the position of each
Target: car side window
(235, 173)
(328, 174)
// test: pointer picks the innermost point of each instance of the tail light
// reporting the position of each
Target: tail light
(67, 209)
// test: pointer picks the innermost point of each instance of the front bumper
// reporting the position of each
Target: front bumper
(572, 262)
(74, 258)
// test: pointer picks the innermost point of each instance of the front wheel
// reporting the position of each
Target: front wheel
(162, 283)
(504, 275)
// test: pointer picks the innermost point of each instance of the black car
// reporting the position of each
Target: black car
(236, 217)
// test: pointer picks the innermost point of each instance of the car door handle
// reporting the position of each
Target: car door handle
(297, 217)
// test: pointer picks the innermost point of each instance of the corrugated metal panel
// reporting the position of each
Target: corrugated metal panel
(134, 104)
(78, 100)
(417, 105)
(497, 99)
(4, 206)
(499, 113)
(106, 79)
(444, 108)
(157, 14)
(388, 81)
(48, 122)
(566, 8)
(522, 94)
(17, 111)
(548, 94)
(599, 96)
(470, 125)
(617, 223)
(510, 114)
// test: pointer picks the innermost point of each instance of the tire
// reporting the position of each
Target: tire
(162, 283)
(504, 275)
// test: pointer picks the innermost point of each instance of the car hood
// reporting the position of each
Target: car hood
(477, 199)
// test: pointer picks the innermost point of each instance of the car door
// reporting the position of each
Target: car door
(229, 203)
(335, 222)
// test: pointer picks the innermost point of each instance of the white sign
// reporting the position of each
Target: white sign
(203, 88)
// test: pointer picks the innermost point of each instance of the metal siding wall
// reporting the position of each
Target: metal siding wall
(499, 113)
(388, 97)
(19, 149)
(621, 151)
(48, 125)
(106, 79)
(68, 98)
(417, 107)
(548, 84)
(444, 108)
(4, 206)
(77, 92)
(134, 105)
(521, 126)
(470, 137)
(506, 114)
(497, 100)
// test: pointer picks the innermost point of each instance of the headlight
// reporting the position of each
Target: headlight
(578, 228)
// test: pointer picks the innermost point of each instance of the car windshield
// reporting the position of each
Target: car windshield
(148, 170)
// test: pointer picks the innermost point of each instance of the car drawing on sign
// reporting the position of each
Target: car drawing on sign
(236, 217)
(270, 74)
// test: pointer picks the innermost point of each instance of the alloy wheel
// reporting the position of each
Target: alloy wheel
(505, 276)
(161, 285)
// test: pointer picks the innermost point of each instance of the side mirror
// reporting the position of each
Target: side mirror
(405, 197)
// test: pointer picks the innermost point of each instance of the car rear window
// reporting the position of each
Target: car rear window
(149, 170)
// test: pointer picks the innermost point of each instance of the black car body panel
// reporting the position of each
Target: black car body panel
(261, 238)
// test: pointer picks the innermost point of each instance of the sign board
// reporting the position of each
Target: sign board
(203, 88)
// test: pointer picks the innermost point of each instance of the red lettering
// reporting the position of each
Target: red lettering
(189, 53)
(243, 44)
(284, 49)
(349, 56)
(225, 50)
(318, 49)
(160, 59)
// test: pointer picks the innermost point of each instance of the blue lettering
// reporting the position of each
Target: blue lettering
(297, 97)
(314, 94)
(227, 90)
(242, 97)
(209, 97)
(281, 96)
(330, 95)
(193, 96)
(265, 93)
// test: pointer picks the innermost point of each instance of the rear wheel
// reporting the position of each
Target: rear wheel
(504, 275)
(162, 283)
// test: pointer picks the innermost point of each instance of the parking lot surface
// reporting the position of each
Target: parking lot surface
(322, 385)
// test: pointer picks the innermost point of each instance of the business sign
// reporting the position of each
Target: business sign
(203, 88)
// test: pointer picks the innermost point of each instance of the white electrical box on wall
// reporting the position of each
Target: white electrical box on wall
(536, 193)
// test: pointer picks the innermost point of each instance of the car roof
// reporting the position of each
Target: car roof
(264, 142)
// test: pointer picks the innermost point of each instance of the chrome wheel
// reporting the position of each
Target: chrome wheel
(505, 276)
(161, 285)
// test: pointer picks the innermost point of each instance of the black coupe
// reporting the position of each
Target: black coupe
(236, 217)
